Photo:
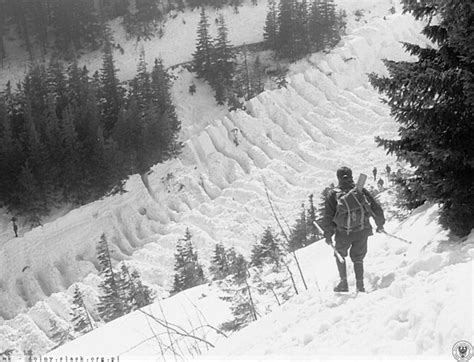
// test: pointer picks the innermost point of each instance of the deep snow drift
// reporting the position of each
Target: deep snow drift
(293, 139)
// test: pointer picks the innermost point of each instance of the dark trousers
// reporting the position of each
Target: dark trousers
(355, 244)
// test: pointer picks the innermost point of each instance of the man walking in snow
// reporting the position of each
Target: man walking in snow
(352, 238)
(15, 227)
(374, 171)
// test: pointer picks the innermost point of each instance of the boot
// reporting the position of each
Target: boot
(359, 274)
(342, 286)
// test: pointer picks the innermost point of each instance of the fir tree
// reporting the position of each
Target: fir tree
(299, 232)
(189, 272)
(80, 316)
(202, 57)
(126, 289)
(270, 31)
(110, 91)
(143, 294)
(223, 62)
(111, 305)
(267, 250)
(220, 267)
(301, 30)
(432, 99)
(286, 29)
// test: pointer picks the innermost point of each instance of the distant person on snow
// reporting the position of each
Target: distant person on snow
(388, 169)
(354, 231)
(380, 184)
(374, 171)
(15, 227)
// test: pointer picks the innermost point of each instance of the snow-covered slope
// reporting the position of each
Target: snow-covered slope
(292, 138)
(419, 304)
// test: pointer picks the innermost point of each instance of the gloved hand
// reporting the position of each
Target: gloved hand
(328, 240)
(380, 229)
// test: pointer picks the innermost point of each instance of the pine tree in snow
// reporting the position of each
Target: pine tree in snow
(270, 31)
(220, 267)
(202, 57)
(80, 316)
(223, 62)
(286, 29)
(299, 232)
(111, 305)
(110, 91)
(432, 99)
(143, 295)
(188, 270)
(267, 250)
(237, 291)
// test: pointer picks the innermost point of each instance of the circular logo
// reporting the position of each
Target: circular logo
(462, 351)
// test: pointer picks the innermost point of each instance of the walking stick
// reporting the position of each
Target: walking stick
(397, 237)
(336, 253)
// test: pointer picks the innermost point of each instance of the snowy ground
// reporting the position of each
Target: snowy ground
(419, 304)
(292, 139)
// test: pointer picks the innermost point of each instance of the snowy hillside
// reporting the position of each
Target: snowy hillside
(291, 140)
(419, 304)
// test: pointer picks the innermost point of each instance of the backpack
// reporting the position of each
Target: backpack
(352, 210)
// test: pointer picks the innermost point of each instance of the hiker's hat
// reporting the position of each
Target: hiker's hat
(344, 173)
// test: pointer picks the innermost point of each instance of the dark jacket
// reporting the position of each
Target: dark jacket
(329, 226)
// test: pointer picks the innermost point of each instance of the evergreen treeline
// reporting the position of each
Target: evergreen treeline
(215, 61)
(432, 99)
(68, 26)
(66, 135)
(294, 28)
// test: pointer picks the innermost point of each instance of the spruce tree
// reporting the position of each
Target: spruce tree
(220, 267)
(126, 289)
(223, 62)
(270, 31)
(286, 29)
(80, 317)
(110, 91)
(188, 270)
(299, 233)
(301, 30)
(267, 250)
(432, 99)
(111, 305)
(143, 294)
(202, 57)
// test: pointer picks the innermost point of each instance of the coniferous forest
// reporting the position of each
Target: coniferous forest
(68, 135)
(68, 27)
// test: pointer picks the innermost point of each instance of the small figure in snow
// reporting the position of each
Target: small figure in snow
(235, 136)
(15, 227)
(354, 236)
(380, 184)
(374, 171)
